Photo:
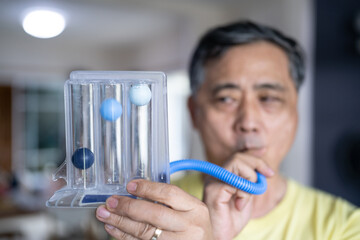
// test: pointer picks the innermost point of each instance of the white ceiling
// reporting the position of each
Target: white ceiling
(108, 21)
(99, 31)
(101, 22)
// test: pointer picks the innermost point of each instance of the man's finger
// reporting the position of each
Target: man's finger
(242, 169)
(118, 234)
(219, 194)
(241, 200)
(123, 227)
(167, 194)
(145, 212)
(255, 163)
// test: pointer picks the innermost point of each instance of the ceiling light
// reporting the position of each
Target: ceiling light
(43, 23)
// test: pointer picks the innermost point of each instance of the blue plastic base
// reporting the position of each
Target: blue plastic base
(92, 198)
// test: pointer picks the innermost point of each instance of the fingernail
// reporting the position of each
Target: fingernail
(112, 202)
(131, 187)
(109, 227)
(103, 213)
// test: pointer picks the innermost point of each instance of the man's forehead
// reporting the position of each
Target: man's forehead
(263, 85)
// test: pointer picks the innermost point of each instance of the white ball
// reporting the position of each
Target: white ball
(140, 94)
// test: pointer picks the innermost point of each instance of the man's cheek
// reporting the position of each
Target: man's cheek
(282, 141)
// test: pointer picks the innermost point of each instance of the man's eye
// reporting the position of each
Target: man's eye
(226, 100)
(269, 99)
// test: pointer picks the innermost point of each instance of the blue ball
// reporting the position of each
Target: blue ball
(110, 109)
(82, 158)
(140, 94)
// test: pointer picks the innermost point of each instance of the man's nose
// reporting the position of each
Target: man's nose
(247, 120)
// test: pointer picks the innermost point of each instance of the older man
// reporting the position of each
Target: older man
(245, 79)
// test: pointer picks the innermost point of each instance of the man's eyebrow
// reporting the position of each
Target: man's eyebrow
(220, 87)
(270, 86)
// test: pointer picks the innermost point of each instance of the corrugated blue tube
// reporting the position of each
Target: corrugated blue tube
(222, 174)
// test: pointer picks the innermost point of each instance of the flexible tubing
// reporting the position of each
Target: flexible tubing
(222, 174)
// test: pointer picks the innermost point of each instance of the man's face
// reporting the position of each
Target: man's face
(247, 103)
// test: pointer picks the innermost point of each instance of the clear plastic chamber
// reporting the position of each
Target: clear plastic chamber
(116, 131)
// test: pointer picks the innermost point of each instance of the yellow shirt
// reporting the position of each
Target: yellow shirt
(303, 214)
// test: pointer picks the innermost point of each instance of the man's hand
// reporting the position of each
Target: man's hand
(183, 217)
(231, 209)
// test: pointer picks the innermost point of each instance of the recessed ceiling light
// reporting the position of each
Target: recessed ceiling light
(43, 23)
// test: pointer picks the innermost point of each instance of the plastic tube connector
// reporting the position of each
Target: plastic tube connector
(222, 174)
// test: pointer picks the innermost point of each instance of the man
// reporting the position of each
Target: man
(244, 80)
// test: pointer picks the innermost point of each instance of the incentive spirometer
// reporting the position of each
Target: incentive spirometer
(116, 131)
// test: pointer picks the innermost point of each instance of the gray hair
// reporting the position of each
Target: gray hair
(218, 40)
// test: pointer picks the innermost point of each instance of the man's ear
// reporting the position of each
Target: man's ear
(191, 103)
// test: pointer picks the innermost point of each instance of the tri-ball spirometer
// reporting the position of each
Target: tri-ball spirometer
(116, 131)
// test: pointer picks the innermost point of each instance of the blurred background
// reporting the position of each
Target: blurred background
(159, 35)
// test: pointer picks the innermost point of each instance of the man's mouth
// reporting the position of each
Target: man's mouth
(256, 152)
(251, 144)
